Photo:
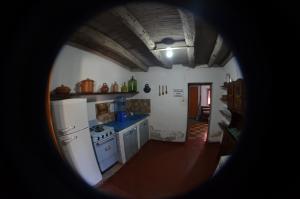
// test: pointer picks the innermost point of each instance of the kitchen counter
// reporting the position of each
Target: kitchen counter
(130, 120)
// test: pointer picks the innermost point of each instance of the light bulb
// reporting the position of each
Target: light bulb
(169, 52)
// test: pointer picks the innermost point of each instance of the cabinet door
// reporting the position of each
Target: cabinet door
(127, 145)
(134, 141)
(130, 143)
(144, 132)
(142, 137)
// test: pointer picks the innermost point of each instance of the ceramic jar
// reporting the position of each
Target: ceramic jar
(104, 88)
(86, 86)
(115, 87)
(62, 90)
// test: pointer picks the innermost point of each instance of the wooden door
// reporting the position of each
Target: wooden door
(193, 101)
(230, 96)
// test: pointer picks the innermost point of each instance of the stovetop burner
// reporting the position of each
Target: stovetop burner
(98, 128)
(100, 131)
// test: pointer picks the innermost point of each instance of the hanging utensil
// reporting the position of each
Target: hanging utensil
(159, 90)
(166, 90)
(162, 90)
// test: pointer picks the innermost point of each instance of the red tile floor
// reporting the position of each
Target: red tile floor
(164, 169)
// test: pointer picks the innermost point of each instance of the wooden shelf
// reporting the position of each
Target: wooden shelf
(224, 98)
(233, 133)
(226, 115)
(223, 125)
(228, 144)
(74, 95)
(225, 85)
(235, 104)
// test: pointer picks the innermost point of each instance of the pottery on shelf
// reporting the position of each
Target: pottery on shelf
(147, 88)
(104, 88)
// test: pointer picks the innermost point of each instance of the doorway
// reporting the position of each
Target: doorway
(199, 110)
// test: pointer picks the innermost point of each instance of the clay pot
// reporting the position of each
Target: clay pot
(62, 90)
(87, 86)
(104, 88)
(115, 87)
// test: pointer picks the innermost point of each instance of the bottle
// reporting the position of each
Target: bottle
(116, 87)
(112, 88)
(130, 85)
(134, 84)
(104, 88)
(124, 88)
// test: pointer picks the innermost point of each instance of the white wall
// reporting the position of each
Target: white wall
(168, 113)
(232, 68)
(73, 65)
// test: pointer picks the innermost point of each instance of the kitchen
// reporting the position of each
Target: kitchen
(108, 104)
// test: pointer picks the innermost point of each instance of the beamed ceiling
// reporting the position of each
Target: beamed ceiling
(137, 35)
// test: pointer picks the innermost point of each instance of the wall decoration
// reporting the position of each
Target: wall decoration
(159, 90)
(105, 112)
(228, 78)
(141, 106)
(178, 92)
(147, 88)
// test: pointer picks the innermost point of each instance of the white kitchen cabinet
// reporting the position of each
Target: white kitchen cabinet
(130, 143)
(143, 132)
(131, 139)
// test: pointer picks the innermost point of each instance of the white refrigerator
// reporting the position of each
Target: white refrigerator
(70, 122)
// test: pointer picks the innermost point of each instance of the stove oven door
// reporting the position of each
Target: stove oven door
(107, 153)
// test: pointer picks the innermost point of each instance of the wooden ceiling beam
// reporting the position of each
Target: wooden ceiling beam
(226, 60)
(216, 50)
(188, 26)
(81, 45)
(134, 25)
(102, 40)
(173, 48)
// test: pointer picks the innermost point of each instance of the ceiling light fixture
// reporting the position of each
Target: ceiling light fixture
(169, 52)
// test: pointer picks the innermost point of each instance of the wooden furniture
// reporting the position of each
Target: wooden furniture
(76, 95)
(235, 115)
(228, 142)
(205, 112)
(236, 96)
